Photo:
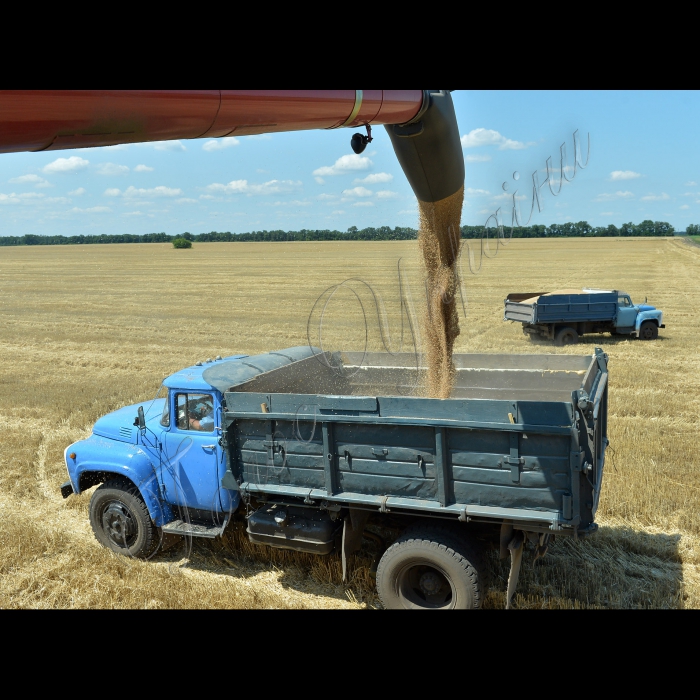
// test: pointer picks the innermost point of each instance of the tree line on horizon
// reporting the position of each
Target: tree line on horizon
(382, 233)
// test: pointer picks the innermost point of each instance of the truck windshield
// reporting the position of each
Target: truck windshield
(165, 418)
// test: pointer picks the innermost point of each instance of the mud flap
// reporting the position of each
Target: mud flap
(516, 547)
(353, 527)
(342, 551)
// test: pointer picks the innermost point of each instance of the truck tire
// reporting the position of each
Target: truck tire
(429, 569)
(566, 336)
(648, 331)
(120, 519)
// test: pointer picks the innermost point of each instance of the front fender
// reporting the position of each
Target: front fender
(98, 458)
(656, 316)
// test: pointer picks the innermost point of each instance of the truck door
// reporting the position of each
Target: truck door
(626, 313)
(191, 454)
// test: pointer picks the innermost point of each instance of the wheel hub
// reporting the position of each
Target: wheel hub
(430, 583)
(423, 586)
(119, 524)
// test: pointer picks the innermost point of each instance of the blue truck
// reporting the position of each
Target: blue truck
(564, 315)
(315, 451)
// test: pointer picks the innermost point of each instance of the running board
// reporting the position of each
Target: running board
(180, 527)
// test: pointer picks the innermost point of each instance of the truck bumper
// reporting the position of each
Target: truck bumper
(66, 489)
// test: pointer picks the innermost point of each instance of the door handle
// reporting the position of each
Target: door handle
(208, 447)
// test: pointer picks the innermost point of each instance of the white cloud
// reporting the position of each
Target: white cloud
(23, 198)
(338, 211)
(654, 197)
(344, 164)
(509, 197)
(470, 192)
(78, 192)
(408, 211)
(358, 192)
(624, 175)
(132, 213)
(91, 210)
(489, 137)
(373, 179)
(685, 206)
(244, 187)
(38, 181)
(691, 184)
(325, 196)
(131, 191)
(207, 196)
(112, 169)
(169, 146)
(606, 196)
(220, 144)
(320, 180)
(477, 159)
(363, 204)
(293, 203)
(143, 169)
(66, 165)
(187, 200)
(607, 213)
(386, 194)
(160, 191)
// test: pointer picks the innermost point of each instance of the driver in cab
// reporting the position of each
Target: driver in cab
(201, 417)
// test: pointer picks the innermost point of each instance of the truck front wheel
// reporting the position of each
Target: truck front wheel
(429, 569)
(120, 519)
(648, 331)
(566, 336)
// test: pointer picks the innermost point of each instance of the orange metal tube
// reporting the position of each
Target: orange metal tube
(38, 120)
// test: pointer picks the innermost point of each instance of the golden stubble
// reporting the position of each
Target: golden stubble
(87, 329)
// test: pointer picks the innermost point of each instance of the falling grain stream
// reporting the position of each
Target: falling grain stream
(439, 239)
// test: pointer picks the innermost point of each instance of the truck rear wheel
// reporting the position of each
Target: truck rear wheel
(120, 519)
(566, 336)
(429, 569)
(648, 331)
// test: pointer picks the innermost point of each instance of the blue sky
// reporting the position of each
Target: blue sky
(644, 164)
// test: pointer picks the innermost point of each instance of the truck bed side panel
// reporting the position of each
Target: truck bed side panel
(400, 460)
(490, 456)
(563, 308)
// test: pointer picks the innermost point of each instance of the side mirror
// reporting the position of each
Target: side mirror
(645, 300)
(140, 421)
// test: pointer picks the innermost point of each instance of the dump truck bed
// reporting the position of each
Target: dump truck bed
(543, 307)
(511, 442)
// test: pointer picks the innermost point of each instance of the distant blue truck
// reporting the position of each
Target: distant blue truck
(564, 315)
(313, 452)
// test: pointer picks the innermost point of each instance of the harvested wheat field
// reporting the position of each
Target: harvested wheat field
(87, 329)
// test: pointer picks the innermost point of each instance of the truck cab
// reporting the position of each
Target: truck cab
(642, 320)
(160, 465)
